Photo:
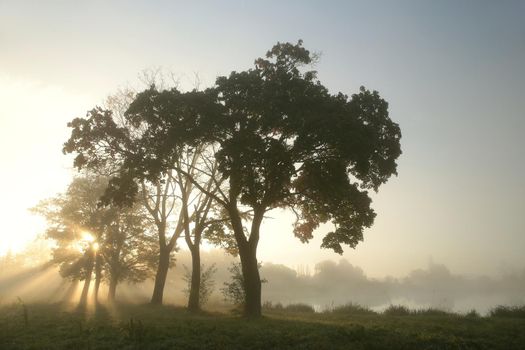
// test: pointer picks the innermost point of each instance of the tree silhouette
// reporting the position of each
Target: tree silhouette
(115, 242)
(109, 141)
(282, 141)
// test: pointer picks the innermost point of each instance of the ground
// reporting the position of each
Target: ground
(57, 326)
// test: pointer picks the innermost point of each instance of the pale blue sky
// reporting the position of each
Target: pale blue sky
(452, 71)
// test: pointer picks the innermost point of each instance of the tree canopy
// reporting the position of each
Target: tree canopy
(285, 141)
(281, 140)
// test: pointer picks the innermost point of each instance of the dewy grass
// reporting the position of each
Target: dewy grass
(168, 327)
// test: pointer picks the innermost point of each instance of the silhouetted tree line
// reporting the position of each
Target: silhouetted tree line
(208, 164)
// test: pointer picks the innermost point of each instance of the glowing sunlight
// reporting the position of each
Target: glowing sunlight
(47, 109)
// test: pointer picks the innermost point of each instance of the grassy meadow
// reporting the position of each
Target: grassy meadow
(128, 326)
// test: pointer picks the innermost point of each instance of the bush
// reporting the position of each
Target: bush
(432, 312)
(233, 291)
(508, 311)
(207, 284)
(268, 305)
(299, 307)
(352, 309)
(397, 310)
(472, 314)
(401, 310)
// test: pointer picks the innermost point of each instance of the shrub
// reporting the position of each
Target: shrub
(299, 307)
(432, 312)
(233, 291)
(207, 284)
(472, 314)
(508, 311)
(401, 310)
(397, 310)
(352, 309)
(268, 305)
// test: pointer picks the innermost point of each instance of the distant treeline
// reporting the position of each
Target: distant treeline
(328, 285)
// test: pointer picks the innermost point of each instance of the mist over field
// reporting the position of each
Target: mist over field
(325, 285)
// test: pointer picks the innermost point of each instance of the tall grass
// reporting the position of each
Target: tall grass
(294, 307)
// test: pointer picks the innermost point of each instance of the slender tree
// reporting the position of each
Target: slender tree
(108, 142)
(129, 248)
(202, 216)
(158, 197)
(113, 143)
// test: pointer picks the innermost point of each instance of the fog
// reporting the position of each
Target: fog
(327, 284)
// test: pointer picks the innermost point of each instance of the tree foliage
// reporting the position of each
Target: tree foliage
(207, 283)
(113, 141)
(234, 291)
(285, 141)
(281, 140)
(77, 221)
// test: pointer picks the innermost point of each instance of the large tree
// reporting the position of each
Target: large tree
(283, 140)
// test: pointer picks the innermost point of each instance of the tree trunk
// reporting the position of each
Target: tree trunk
(252, 281)
(98, 277)
(112, 289)
(160, 277)
(248, 254)
(194, 299)
(89, 272)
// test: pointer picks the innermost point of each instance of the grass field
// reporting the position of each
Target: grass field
(55, 326)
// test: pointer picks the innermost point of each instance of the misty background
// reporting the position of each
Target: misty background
(324, 285)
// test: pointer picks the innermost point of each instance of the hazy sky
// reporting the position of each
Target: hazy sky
(452, 71)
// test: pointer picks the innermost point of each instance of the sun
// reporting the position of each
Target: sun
(86, 241)
(88, 237)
